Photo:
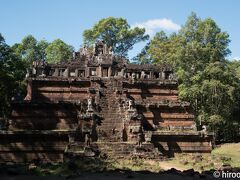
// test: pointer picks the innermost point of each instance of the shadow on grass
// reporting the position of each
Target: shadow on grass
(101, 168)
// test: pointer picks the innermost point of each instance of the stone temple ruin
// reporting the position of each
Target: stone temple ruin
(99, 104)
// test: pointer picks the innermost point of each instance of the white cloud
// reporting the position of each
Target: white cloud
(153, 25)
(236, 58)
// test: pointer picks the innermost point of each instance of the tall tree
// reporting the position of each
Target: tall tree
(198, 54)
(30, 49)
(58, 51)
(12, 72)
(115, 32)
(235, 66)
(163, 49)
(41, 50)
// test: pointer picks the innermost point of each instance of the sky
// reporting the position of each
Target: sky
(67, 19)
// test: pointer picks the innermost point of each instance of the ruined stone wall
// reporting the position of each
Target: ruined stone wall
(63, 106)
(65, 90)
(23, 146)
(152, 94)
(43, 116)
(160, 106)
(99, 97)
(54, 104)
(181, 142)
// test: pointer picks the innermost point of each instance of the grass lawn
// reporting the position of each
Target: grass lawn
(226, 154)
(231, 150)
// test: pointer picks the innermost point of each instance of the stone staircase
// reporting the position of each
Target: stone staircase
(112, 124)
(112, 150)
(128, 149)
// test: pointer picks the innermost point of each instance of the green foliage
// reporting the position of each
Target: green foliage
(198, 42)
(230, 152)
(58, 51)
(198, 53)
(235, 66)
(12, 72)
(163, 49)
(16, 59)
(116, 33)
(30, 49)
(41, 49)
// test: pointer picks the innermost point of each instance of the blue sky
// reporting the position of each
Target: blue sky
(67, 19)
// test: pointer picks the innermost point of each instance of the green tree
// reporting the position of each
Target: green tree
(58, 51)
(30, 49)
(41, 49)
(163, 49)
(115, 32)
(12, 72)
(198, 54)
(196, 44)
(235, 66)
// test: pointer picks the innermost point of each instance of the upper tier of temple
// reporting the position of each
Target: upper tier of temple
(99, 61)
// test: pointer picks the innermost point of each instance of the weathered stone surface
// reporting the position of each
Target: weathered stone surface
(100, 100)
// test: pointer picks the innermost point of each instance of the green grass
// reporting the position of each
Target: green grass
(231, 153)
(136, 164)
(198, 162)
(222, 155)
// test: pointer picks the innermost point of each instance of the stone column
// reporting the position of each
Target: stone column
(137, 75)
(87, 72)
(109, 71)
(29, 91)
(66, 73)
(150, 75)
(160, 75)
(100, 71)
(56, 72)
(163, 75)
(76, 72)
(142, 75)
(122, 72)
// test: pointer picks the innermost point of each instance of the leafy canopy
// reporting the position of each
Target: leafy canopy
(12, 72)
(115, 32)
(30, 49)
(198, 54)
(58, 51)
